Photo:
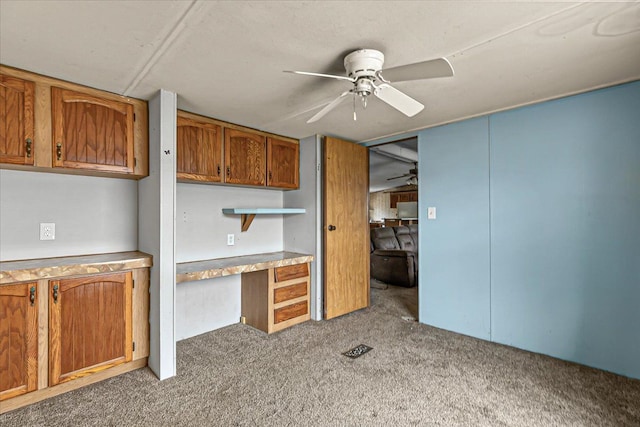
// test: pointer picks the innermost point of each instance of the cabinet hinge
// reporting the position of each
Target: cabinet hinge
(133, 346)
(134, 117)
(133, 284)
(135, 161)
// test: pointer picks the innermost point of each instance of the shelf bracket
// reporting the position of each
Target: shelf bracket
(246, 219)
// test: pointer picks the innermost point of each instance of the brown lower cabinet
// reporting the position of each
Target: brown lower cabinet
(86, 329)
(276, 298)
(18, 339)
(89, 325)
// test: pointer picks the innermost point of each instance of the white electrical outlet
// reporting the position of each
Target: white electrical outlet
(231, 239)
(47, 231)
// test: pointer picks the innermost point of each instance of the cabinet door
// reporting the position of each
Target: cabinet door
(283, 160)
(16, 120)
(393, 198)
(91, 132)
(199, 148)
(244, 157)
(89, 325)
(18, 339)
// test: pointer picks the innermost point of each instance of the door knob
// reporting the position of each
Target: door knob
(332, 227)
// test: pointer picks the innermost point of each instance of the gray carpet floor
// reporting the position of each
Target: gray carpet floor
(415, 375)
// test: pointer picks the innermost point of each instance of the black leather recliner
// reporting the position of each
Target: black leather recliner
(394, 256)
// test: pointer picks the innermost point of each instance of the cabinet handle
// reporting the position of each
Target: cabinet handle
(228, 171)
(32, 295)
(28, 147)
(59, 150)
(55, 294)
(270, 176)
(332, 227)
(218, 170)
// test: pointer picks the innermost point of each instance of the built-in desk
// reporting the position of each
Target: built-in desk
(275, 286)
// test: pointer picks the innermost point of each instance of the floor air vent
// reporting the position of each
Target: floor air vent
(358, 351)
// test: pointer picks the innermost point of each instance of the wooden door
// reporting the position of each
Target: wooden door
(244, 157)
(283, 163)
(89, 325)
(346, 227)
(199, 150)
(16, 120)
(18, 339)
(91, 132)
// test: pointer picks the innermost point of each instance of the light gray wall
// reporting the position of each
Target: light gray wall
(201, 233)
(92, 214)
(302, 232)
(156, 217)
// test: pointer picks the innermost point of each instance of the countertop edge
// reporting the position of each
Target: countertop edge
(60, 267)
(289, 258)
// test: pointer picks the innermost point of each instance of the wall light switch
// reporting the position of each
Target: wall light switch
(47, 231)
(231, 239)
(431, 212)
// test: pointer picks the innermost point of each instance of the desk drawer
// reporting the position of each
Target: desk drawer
(289, 292)
(290, 312)
(291, 272)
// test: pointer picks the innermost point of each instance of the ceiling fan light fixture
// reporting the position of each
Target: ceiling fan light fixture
(364, 68)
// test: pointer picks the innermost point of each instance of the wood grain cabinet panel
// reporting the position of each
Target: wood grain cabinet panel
(92, 133)
(89, 325)
(18, 339)
(17, 98)
(283, 163)
(290, 312)
(291, 272)
(199, 150)
(245, 157)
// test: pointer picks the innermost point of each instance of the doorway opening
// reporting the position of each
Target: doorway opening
(393, 224)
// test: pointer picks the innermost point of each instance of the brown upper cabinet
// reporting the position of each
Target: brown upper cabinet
(406, 196)
(56, 126)
(245, 157)
(283, 163)
(199, 148)
(213, 151)
(91, 132)
(16, 120)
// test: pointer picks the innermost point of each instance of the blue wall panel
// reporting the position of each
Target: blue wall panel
(454, 248)
(565, 228)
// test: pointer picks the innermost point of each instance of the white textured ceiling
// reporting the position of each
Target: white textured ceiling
(225, 59)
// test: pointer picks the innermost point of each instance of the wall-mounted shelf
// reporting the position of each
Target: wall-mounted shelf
(248, 214)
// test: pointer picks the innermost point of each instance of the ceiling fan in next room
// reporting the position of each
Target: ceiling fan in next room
(412, 176)
(364, 71)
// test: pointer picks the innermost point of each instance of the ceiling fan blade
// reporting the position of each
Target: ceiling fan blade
(333, 104)
(401, 176)
(420, 70)
(331, 76)
(398, 100)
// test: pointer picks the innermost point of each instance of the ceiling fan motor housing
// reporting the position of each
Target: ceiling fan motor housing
(363, 63)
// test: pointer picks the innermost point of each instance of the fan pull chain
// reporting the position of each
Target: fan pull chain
(354, 107)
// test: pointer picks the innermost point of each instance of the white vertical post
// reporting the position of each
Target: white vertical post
(156, 231)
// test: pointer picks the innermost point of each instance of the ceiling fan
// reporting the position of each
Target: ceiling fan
(364, 71)
(412, 175)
